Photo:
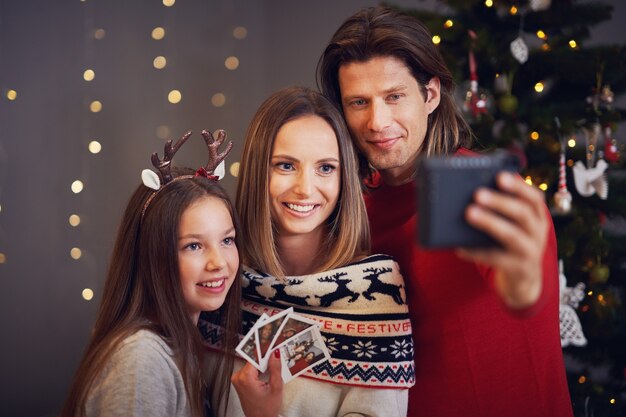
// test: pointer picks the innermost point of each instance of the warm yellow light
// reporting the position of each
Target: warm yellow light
(162, 132)
(87, 294)
(513, 10)
(77, 186)
(545, 47)
(539, 87)
(570, 163)
(159, 62)
(99, 34)
(95, 106)
(158, 33)
(572, 44)
(571, 143)
(600, 297)
(488, 3)
(534, 135)
(529, 180)
(174, 96)
(3, 258)
(240, 32)
(448, 24)
(74, 220)
(232, 62)
(11, 95)
(541, 34)
(612, 400)
(436, 40)
(94, 147)
(234, 169)
(76, 253)
(168, 3)
(582, 379)
(543, 186)
(89, 75)
(218, 100)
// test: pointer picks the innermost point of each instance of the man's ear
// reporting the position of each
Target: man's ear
(433, 94)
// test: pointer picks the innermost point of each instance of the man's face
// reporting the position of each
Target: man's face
(387, 113)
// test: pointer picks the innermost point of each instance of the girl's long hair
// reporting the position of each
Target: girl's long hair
(143, 291)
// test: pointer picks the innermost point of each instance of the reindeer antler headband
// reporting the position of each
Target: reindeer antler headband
(213, 170)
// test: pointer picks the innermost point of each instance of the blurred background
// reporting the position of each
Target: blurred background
(89, 89)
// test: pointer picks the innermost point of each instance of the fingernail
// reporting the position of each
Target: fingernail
(277, 354)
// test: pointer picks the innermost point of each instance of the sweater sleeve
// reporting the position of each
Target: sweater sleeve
(141, 379)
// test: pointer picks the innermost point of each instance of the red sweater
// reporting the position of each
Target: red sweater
(473, 356)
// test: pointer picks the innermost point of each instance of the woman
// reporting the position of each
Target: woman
(306, 247)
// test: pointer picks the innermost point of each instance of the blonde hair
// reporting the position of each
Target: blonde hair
(348, 228)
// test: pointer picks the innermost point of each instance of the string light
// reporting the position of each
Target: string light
(488, 3)
(232, 63)
(168, 3)
(571, 142)
(545, 47)
(11, 95)
(87, 294)
(240, 32)
(234, 169)
(174, 97)
(541, 34)
(534, 135)
(3, 258)
(89, 75)
(99, 34)
(612, 401)
(570, 163)
(448, 24)
(158, 33)
(543, 186)
(436, 40)
(513, 10)
(539, 87)
(95, 106)
(529, 180)
(159, 62)
(218, 100)
(573, 44)
(582, 379)
(94, 147)
(74, 220)
(77, 186)
(76, 253)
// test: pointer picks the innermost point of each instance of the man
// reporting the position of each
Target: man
(485, 321)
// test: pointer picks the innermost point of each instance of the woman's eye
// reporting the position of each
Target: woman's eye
(285, 166)
(327, 169)
(229, 241)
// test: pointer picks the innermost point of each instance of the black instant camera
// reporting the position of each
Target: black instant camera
(445, 186)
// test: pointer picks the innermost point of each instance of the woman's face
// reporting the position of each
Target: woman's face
(304, 176)
(207, 255)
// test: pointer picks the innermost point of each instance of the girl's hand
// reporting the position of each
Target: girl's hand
(260, 398)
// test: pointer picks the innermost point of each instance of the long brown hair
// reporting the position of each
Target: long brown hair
(348, 228)
(379, 32)
(143, 291)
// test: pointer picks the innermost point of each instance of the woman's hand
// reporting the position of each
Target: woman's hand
(260, 398)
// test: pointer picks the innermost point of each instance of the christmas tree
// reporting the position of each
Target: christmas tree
(527, 83)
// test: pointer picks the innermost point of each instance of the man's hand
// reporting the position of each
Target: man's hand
(259, 398)
(516, 218)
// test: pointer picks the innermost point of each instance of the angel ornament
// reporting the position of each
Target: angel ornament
(590, 179)
(569, 323)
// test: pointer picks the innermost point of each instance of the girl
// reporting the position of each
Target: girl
(175, 255)
(307, 241)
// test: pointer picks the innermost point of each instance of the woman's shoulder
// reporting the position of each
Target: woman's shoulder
(144, 348)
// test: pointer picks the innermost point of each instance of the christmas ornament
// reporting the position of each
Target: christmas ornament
(569, 323)
(476, 101)
(611, 154)
(599, 273)
(590, 179)
(562, 198)
(519, 50)
(538, 5)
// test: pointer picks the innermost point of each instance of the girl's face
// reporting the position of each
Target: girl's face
(207, 255)
(305, 176)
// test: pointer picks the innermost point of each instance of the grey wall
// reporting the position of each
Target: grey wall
(44, 48)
